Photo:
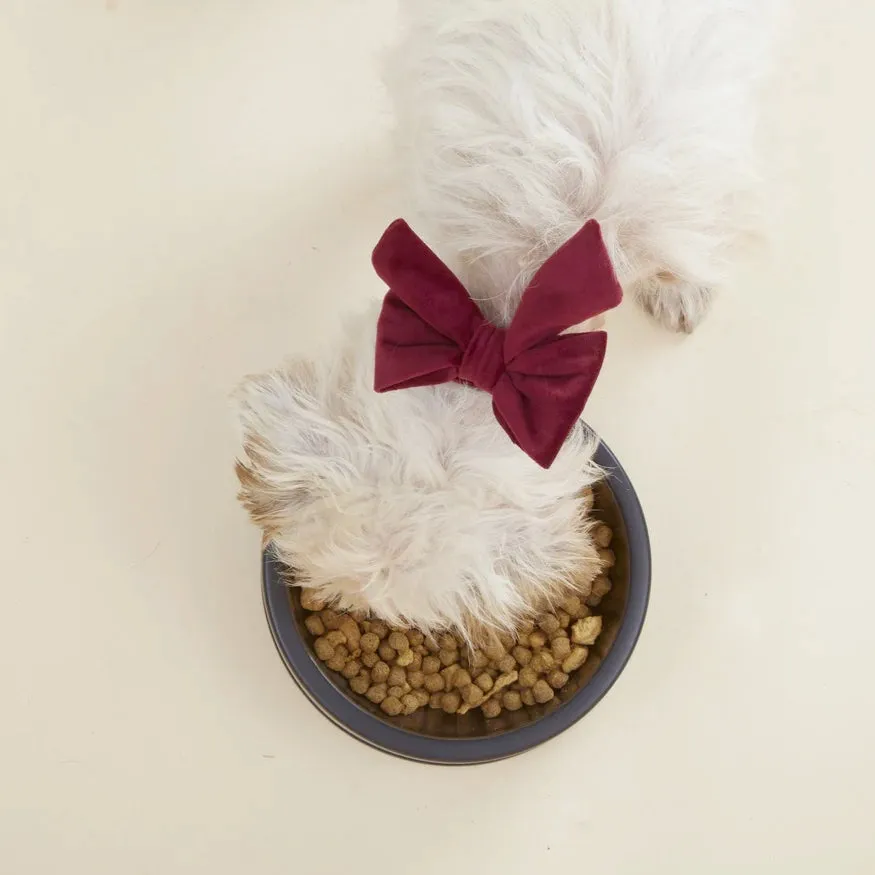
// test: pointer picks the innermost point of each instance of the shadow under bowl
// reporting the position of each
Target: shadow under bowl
(431, 736)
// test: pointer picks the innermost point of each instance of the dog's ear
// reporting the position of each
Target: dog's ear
(278, 472)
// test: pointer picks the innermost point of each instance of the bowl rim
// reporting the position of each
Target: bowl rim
(343, 711)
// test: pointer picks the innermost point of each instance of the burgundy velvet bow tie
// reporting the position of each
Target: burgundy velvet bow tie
(431, 332)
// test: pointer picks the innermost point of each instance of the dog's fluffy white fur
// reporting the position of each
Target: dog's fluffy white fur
(516, 122)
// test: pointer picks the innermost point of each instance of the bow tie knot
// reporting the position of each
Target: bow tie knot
(431, 332)
(483, 360)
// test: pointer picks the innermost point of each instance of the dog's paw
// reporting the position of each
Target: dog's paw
(678, 305)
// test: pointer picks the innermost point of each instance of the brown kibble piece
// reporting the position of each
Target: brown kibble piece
(380, 672)
(377, 693)
(448, 674)
(537, 639)
(431, 645)
(422, 697)
(561, 647)
(564, 619)
(415, 662)
(398, 641)
(448, 642)
(360, 684)
(405, 658)
(527, 698)
(586, 631)
(379, 628)
(387, 653)
(335, 637)
(415, 637)
(431, 665)
(397, 676)
(462, 678)
(548, 623)
(506, 663)
(448, 657)
(603, 535)
(392, 706)
(416, 679)
(484, 682)
(609, 560)
(410, 703)
(331, 619)
(528, 677)
(512, 701)
(491, 708)
(338, 661)
(542, 691)
(473, 695)
(478, 659)
(557, 679)
(542, 661)
(571, 605)
(324, 649)
(451, 702)
(396, 691)
(522, 655)
(310, 601)
(314, 625)
(350, 628)
(494, 651)
(436, 701)
(434, 683)
(369, 660)
(370, 643)
(351, 669)
(575, 659)
(601, 586)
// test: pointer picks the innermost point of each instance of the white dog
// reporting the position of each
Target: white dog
(518, 121)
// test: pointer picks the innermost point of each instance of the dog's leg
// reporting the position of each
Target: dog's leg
(675, 303)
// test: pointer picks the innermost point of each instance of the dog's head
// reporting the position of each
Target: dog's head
(413, 504)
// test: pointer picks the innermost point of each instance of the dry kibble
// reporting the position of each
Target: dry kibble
(478, 659)
(528, 676)
(398, 641)
(448, 657)
(392, 706)
(380, 672)
(351, 669)
(436, 700)
(369, 660)
(415, 663)
(542, 691)
(601, 586)
(314, 625)
(542, 661)
(422, 697)
(473, 695)
(397, 677)
(379, 628)
(526, 628)
(575, 659)
(586, 631)
(360, 684)
(337, 662)
(416, 679)
(415, 637)
(561, 647)
(462, 678)
(387, 653)
(410, 703)
(369, 643)
(431, 645)
(448, 674)
(331, 619)
(537, 640)
(324, 649)
(557, 679)
(527, 698)
(522, 655)
(512, 701)
(405, 658)
(377, 693)
(507, 641)
(434, 683)
(350, 628)
(448, 642)
(602, 535)
(564, 619)
(491, 708)
(336, 637)
(451, 702)
(494, 651)
(430, 665)
(396, 691)
(548, 623)
(571, 605)
(310, 601)
(484, 682)
(506, 663)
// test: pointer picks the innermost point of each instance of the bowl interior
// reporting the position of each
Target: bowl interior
(474, 725)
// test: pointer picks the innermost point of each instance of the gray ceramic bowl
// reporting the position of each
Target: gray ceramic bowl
(434, 737)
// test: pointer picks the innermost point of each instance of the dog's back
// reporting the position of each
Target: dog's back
(518, 121)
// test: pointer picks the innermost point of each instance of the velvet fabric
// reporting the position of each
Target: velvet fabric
(430, 332)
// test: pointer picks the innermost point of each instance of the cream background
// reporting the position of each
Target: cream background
(189, 191)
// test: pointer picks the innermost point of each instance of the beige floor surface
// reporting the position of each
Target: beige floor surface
(189, 191)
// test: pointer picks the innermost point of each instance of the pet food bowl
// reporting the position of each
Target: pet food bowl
(431, 736)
